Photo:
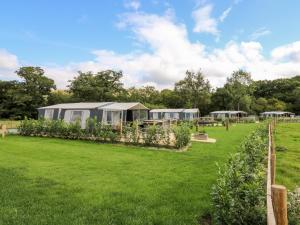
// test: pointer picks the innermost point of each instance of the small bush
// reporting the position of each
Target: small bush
(294, 208)
(182, 135)
(150, 136)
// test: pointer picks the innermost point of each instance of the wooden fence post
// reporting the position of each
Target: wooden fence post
(273, 168)
(227, 124)
(279, 199)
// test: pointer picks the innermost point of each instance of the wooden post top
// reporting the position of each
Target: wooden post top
(278, 187)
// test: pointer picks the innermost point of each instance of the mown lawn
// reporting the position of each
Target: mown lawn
(53, 181)
(288, 162)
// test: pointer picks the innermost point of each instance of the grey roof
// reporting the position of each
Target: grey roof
(167, 110)
(191, 110)
(276, 113)
(228, 112)
(79, 105)
(124, 106)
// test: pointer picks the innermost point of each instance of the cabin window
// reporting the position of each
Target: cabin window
(176, 115)
(49, 114)
(155, 116)
(143, 115)
(112, 117)
(139, 115)
(167, 116)
(76, 115)
(109, 116)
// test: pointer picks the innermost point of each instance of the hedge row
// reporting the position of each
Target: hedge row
(239, 197)
(173, 137)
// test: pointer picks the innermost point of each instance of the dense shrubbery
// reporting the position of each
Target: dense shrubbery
(182, 135)
(239, 195)
(294, 208)
(131, 133)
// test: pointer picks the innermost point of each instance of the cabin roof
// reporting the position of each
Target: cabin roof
(78, 105)
(125, 106)
(228, 112)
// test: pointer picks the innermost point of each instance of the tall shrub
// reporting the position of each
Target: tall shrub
(182, 135)
(239, 194)
(153, 135)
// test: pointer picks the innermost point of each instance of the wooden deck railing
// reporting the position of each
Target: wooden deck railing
(276, 194)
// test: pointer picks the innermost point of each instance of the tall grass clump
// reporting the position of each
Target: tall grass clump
(239, 195)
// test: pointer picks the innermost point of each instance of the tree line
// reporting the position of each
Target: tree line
(19, 99)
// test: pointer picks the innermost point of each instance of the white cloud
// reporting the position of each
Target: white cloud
(8, 64)
(204, 22)
(259, 33)
(132, 4)
(8, 60)
(289, 52)
(225, 14)
(170, 53)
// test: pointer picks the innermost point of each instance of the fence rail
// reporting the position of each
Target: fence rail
(276, 194)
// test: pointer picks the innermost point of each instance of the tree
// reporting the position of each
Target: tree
(221, 100)
(35, 87)
(260, 105)
(194, 91)
(171, 99)
(101, 86)
(60, 96)
(239, 85)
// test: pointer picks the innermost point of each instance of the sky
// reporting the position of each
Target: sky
(152, 41)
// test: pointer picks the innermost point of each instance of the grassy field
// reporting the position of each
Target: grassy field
(288, 162)
(53, 181)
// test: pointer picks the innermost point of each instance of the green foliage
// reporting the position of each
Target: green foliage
(22, 98)
(194, 90)
(239, 195)
(101, 86)
(294, 208)
(153, 135)
(182, 135)
(132, 133)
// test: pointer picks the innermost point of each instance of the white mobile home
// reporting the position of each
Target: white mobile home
(105, 112)
(228, 114)
(177, 114)
(277, 114)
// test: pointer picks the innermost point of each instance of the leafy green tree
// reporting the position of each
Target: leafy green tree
(239, 85)
(171, 99)
(35, 87)
(276, 105)
(20, 99)
(101, 86)
(221, 100)
(260, 105)
(60, 96)
(194, 91)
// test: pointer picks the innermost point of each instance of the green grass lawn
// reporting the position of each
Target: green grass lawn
(288, 162)
(54, 181)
